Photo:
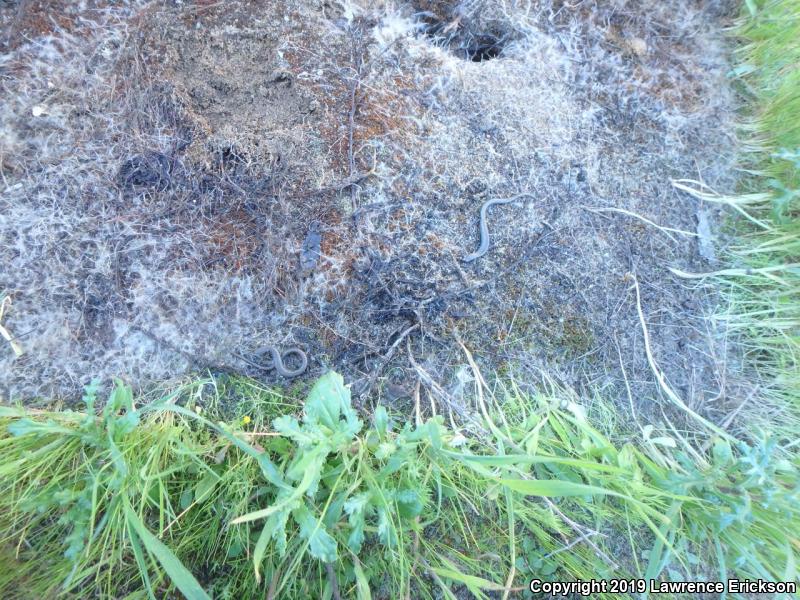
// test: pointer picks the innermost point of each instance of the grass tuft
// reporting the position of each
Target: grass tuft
(763, 281)
(140, 502)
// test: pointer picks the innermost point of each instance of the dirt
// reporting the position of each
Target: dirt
(164, 166)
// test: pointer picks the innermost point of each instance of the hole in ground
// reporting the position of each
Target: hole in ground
(484, 48)
(461, 38)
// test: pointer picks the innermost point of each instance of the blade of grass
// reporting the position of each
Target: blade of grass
(178, 573)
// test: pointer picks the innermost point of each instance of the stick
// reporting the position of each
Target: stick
(198, 361)
(662, 380)
(351, 118)
(387, 357)
(4, 332)
(665, 230)
(338, 186)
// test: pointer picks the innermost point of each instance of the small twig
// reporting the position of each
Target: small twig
(729, 419)
(387, 357)
(199, 9)
(417, 411)
(338, 186)
(581, 531)
(572, 544)
(351, 162)
(372, 349)
(659, 375)
(198, 361)
(665, 230)
(355, 86)
(4, 332)
(426, 378)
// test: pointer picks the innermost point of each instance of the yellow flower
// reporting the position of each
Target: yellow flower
(245, 420)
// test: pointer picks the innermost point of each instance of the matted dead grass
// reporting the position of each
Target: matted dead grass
(163, 165)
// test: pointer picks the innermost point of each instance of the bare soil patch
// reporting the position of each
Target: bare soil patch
(184, 183)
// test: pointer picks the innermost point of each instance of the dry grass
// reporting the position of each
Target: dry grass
(168, 182)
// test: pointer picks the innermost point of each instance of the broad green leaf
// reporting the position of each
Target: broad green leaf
(334, 511)
(430, 431)
(90, 395)
(385, 450)
(123, 395)
(308, 460)
(179, 574)
(409, 503)
(326, 399)
(356, 509)
(270, 471)
(381, 418)
(386, 531)
(357, 504)
(723, 455)
(290, 427)
(235, 549)
(291, 497)
(28, 426)
(279, 529)
(320, 543)
(186, 499)
(322, 546)
(128, 422)
(356, 537)
(396, 461)
(119, 462)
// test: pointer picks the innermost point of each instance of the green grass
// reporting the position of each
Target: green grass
(138, 502)
(763, 279)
